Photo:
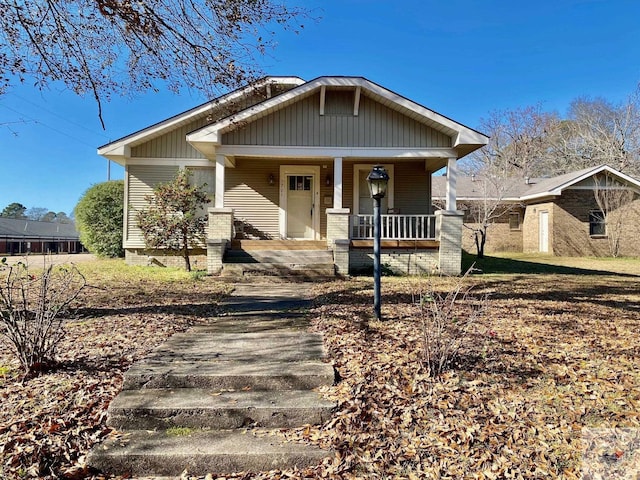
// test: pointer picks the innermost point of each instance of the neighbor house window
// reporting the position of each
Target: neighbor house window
(514, 221)
(596, 223)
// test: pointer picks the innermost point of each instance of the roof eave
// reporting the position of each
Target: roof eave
(165, 125)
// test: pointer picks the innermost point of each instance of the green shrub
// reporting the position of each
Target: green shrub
(99, 215)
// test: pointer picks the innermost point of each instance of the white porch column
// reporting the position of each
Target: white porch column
(337, 182)
(452, 178)
(219, 198)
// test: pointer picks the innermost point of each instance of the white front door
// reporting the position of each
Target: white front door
(300, 206)
(299, 197)
(544, 232)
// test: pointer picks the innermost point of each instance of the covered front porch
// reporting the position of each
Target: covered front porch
(294, 203)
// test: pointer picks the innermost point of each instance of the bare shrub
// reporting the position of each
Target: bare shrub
(31, 304)
(448, 322)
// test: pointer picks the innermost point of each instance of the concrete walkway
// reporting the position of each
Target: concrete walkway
(255, 365)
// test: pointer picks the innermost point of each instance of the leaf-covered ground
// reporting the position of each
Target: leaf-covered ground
(554, 354)
(48, 423)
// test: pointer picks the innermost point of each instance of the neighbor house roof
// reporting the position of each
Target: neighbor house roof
(20, 228)
(521, 189)
(464, 139)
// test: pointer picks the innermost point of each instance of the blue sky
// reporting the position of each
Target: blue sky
(462, 58)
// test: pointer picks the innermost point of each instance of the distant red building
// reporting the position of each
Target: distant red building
(21, 236)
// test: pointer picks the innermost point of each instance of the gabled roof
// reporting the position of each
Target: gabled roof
(465, 139)
(555, 185)
(24, 228)
(519, 190)
(120, 148)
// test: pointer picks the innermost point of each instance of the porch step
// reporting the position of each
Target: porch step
(163, 453)
(253, 245)
(311, 264)
(152, 409)
(285, 257)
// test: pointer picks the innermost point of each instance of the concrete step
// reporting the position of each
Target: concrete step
(310, 271)
(144, 453)
(207, 345)
(153, 409)
(220, 375)
(302, 257)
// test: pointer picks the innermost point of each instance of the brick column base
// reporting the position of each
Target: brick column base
(449, 228)
(219, 235)
(341, 256)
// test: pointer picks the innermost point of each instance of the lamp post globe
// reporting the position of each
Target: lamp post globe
(377, 179)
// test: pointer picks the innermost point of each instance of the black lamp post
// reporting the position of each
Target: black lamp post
(377, 179)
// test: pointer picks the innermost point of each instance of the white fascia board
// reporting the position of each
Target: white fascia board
(334, 152)
(171, 122)
(465, 135)
(536, 196)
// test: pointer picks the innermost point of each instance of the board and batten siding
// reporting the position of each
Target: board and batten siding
(300, 124)
(142, 180)
(170, 145)
(174, 144)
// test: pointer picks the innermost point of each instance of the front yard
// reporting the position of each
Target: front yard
(556, 352)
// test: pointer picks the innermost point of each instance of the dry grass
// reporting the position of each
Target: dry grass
(557, 352)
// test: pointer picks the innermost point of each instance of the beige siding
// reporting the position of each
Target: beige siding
(412, 185)
(142, 179)
(255, 202)
(174, 145)
(301, 124)
(170, 145)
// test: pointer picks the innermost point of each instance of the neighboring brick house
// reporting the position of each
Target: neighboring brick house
(557, 216)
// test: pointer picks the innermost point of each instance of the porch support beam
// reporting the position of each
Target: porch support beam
(452, 178)
(220, 166)
(337, 182)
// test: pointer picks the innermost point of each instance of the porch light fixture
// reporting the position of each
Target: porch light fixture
(327, 180)
(272, 179)
(377, 179)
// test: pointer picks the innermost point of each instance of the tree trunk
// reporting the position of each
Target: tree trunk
(479, 237)
(185, 252)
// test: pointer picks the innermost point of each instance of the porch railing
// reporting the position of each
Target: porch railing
(394, 227)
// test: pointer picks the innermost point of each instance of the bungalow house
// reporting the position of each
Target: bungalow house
(557, 215)
(285, 163)
(21, 236)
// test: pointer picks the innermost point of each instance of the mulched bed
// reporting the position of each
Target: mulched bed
(553, 355)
